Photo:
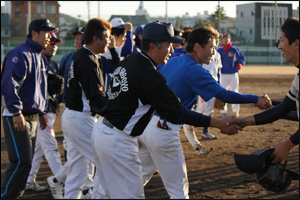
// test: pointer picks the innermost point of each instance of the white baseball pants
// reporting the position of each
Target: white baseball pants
(206, 108)
(46, 144)
(230, 81)
(161, 149)
(117, 163)
(77, 129)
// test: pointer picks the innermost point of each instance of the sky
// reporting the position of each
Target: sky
(154, 8)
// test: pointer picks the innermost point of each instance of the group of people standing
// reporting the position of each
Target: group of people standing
(127, 94)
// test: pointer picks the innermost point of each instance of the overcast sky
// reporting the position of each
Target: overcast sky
(154, 8)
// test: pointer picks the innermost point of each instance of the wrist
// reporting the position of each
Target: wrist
(17, 113)
(289, 144)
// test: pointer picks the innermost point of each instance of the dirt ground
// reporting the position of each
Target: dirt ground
(215, 176)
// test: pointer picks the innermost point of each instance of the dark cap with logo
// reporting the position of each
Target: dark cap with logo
(54, 38)
(42, 24)
(160, 31)
(226, 34)
(79, 29)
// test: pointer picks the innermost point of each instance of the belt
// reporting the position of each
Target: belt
(107, 123)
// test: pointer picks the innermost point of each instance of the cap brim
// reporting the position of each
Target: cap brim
(59, 40)
(74, 33)
(50, 29)
(175, 39)
(249, 163)
(120, 26)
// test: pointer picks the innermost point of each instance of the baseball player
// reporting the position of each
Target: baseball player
(23, 97)
(206, 108)
(135, 91)
(138, 38)
(85, 93)
(232, 61)
(123, 35)
(160, 142)
(289, 46)
(46, 143)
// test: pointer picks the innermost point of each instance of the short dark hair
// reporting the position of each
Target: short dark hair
(290, 28)
(145, 44)
(201, 35)
(177, 31)
(95, 26)
(29, 35)
(185, 35)
(117, 31)
(137, 41)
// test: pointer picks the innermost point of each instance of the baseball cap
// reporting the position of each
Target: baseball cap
(42, 24)
(79, 29)
(117, 23)
(54, 38)
(226, 34)
(139, 30)
(156, 31)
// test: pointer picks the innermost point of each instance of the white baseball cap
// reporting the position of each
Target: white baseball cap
(117, 23)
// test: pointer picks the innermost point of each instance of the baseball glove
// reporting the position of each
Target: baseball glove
(219, 104)
(55, 84)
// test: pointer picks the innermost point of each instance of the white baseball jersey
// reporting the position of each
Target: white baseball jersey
(215, 65)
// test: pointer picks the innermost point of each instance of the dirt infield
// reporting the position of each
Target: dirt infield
(215, 176)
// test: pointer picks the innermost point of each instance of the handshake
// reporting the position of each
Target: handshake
(231, 125)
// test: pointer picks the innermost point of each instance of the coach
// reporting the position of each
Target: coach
(23, 96)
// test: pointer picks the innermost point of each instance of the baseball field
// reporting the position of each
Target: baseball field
(215, 176)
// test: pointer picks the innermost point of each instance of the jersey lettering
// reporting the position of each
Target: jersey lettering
(118, 84)
(70, 73)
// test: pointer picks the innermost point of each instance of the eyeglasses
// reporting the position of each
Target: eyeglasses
(47, 24)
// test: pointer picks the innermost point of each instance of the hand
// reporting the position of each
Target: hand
(264, 102)
(282, 151)
(112, 42)
(229, 129)
(19, 123)
(43, 122)
(239, 66)
(128, 26)
(243, 122)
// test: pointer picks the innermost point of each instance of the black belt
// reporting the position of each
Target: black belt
(107, 123)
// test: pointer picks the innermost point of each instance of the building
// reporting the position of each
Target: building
(256, 22)
(66, 23)
(135, 20)
(19, 16)
(5, 28)
(296, 12)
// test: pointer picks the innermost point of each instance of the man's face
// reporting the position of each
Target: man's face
(162, 55)
(102, 45)
(205, 54)
(77, 41)
(42, 38)
(226, 40)
(120, 41)
(288, 52)
(51, 49)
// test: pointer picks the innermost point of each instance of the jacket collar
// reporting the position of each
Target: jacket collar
(38, 48)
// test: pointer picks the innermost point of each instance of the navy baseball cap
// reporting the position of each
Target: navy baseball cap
(79, 29)
(160, 31)
(226, 34)
(139, 30)
(42, 24)
(54, 38)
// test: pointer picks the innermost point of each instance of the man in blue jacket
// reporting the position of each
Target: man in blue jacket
(23, 97)
(232, 61)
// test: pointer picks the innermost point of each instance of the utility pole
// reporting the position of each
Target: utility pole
(166, 12)
(44, 9)
(276, 21)
(88, 4)
(219, 13)
(28, 14)
(98, 9)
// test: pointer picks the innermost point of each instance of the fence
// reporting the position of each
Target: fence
(253, 55)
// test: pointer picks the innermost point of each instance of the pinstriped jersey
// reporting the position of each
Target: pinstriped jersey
(293, 94)
(135, 91)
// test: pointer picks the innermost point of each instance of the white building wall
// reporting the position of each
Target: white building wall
(245, 21)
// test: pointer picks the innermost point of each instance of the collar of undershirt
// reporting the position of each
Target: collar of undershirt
(90, 51)
(150, 60)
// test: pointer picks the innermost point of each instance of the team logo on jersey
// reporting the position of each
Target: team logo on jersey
(118, 83)
(15, 59)
(230, 54)
(70, 73)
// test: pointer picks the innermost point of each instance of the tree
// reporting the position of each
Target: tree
(200, 22)
(214, 18)
(179, 24)
(69, 35)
